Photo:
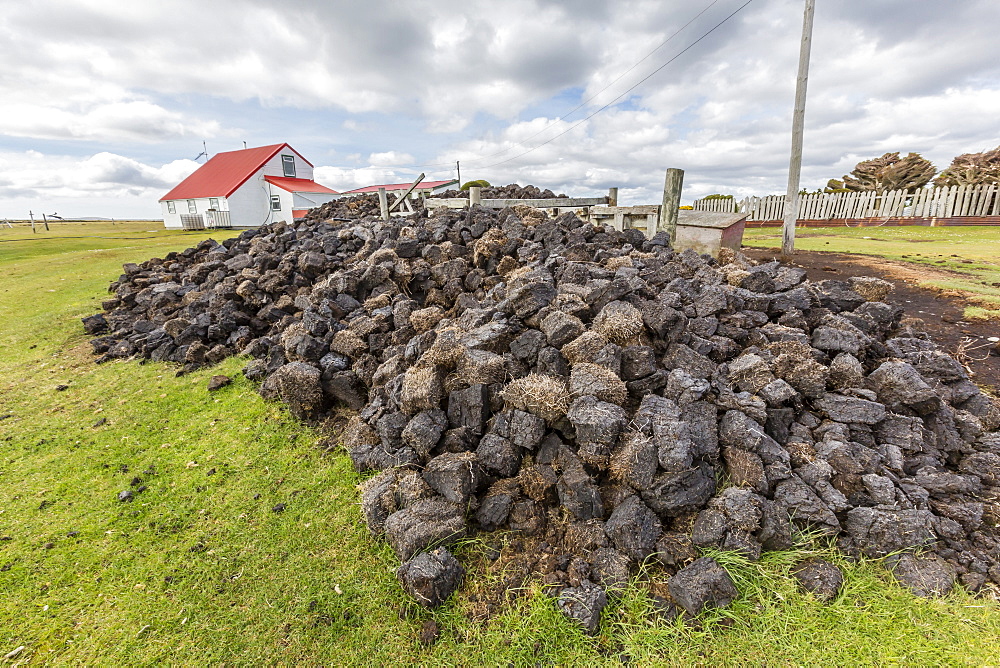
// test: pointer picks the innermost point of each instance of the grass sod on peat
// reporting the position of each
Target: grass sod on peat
(969, 255)
(196, 569)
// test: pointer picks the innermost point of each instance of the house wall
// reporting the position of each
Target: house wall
(250, 205)
(172, 221)
(303, 170)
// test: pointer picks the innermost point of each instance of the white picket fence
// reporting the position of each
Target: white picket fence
(943, 202)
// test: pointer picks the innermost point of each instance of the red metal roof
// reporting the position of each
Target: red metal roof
(225, 172)
(424, 185)
(298, 185)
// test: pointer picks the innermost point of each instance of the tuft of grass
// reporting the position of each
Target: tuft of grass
(200, 568)
(980, 313)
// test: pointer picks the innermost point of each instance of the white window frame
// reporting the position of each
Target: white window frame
(171, 208)
(275, 202)
(288, 165)
(192, 206)
(213, 203)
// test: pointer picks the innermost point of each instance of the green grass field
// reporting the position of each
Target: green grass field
(970, 254)
(199, 569)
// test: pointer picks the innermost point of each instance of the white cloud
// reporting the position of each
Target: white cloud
(484, 80)
(103, 184)
(121, 120)
(343, 179)
(390, 159)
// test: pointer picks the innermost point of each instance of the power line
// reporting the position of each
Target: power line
(592, 97)
(609, 104)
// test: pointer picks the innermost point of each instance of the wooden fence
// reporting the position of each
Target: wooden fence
(943, 202)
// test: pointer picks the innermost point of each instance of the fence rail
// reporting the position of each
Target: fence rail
(943, 202)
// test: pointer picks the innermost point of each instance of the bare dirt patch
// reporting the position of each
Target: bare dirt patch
(941, 311)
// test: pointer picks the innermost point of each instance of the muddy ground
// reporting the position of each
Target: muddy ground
(941, 312)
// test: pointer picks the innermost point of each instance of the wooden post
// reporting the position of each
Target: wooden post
(475, 196)
(672, 186)
(32, 216)
(798, 123)
(383, 203)
(458, 168)
(45, 222)
(612, 196)
(407, 193)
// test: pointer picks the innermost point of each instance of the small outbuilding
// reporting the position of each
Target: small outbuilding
(247, 188)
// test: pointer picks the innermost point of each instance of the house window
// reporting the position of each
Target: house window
(171, 208)
(213, 203)
(288, 165)
(191, 206)
(275, 203)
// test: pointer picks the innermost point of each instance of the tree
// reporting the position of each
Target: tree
(835, 186)
(972, 169)
(482, 183)
(890, 172)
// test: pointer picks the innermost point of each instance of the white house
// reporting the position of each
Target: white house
(247, 188)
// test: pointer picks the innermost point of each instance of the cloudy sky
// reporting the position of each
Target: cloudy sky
(106, 103)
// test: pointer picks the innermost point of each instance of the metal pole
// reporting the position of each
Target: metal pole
(798, 123)
(672, 185)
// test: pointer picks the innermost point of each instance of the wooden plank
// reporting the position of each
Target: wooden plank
(974, 197)
(983, 192)
(919, 202)
(446, 203)
(546, 203)
(405, 195)
(641, 210)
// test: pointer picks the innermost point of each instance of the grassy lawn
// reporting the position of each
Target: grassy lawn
(970, 254)
(200, 568)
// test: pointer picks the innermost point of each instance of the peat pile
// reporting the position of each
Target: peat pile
(510, 191)
(358, 206)
(607, 399)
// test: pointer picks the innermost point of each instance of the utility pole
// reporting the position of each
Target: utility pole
(798, 123)
(458, 166)
(32, 215)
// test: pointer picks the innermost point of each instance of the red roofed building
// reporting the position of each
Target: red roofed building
(425, 188)
(247, 188)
